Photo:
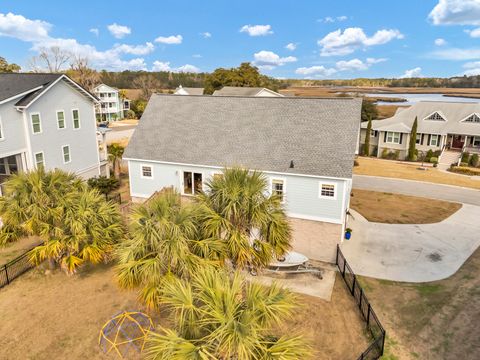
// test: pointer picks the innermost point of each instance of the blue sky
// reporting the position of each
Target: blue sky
(286, 39)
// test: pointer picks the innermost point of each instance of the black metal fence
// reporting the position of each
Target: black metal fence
(375, 350)
(14, 269)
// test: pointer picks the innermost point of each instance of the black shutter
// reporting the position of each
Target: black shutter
(401, 137)
(421, 141)
(429, 138)
(385, 137)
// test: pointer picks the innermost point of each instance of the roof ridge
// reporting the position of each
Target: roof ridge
(263, 97)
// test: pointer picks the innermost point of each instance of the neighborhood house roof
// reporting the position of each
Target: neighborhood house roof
(262, 133)
(453, 115)
(242, 91)
(188, 91)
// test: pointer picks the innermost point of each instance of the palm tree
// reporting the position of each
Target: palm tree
(115, 153)
(76, 224)
(222, 316)
(164, 239)
(238, 209)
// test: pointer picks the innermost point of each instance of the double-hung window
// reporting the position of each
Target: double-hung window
(147, 172)
(36, 124)
(192, 183)
(476, 141)
(434, 140)
(418, 140)
(39, 160)
(393, 137)
(76, 119)
(278, 188)
(61, 119)
(66, 154)
(328, 191)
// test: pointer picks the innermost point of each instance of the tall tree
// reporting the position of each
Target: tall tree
(147, 83)
(413, 141)
(50, 59)
(80, 72)
(5, 67)
(369, 110)
(115, 153)
(366, 146)
(221, 316)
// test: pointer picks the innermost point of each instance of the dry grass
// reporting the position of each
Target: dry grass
(437, 320)
(58, 317)
(13, 250)
(387, 111)
(401, 209)
(395, 169)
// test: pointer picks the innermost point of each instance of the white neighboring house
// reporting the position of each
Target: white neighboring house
(246, 91)
(188, 91)
(304, 146)
(48, 120)
(112, 106)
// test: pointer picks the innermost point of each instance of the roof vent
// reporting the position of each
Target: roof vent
(292, 165)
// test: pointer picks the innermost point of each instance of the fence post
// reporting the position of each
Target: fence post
(336, 257)
(383, 343)
(353, 286)
(361, 299)
(6, 274)
(344, 267)
(368, 316)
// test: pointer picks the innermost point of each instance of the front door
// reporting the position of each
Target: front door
(458, 141)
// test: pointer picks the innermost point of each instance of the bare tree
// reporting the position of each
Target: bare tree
(80, 72)
(52, 59)
(147, 83)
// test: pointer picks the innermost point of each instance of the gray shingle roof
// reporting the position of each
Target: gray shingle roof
(193, 91)
(263, 133)
(12, 84)
(453, 113)
(240, 91)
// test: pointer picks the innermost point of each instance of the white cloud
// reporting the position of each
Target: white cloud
(456, 12)
(268, 60)
(134, 49)
(440, 42)
(457, 54)
(291, 46)
(197, 56)
(206, 35)
(475, 33)
(357, 64)
(331, 19)
(19, 27)
(412, 73)
(165, 66)
(317, 71)
(257, 30)
(94, 31)
(351, 39)
(473, 68)
(172, 39)
(119, 31)
(342, 18)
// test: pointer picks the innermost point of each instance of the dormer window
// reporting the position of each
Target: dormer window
(474, 118)
(435, 116)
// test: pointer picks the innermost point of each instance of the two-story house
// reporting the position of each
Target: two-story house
(47, 120)
(304, 146)
(112, 105)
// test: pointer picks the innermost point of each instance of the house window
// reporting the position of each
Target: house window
(36, 125)
(327, 190)
(435, 116)
(434, 140)
(39, 160)
(393, 137)
(476, 141)
(76, 119)
(61, 119)
(373, 133)
(66, 154)
(473, 118)
(192, 183)
(418, 139)
(278, 187)
(147, 172)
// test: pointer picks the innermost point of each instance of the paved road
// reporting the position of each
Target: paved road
(418, 188)
(412, 253)
(120, 132)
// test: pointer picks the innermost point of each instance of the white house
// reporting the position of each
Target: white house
(47, 120)
(246, 91)
(112, 105)
(305, 146)
(188, 91)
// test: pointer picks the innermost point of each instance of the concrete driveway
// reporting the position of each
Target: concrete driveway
(120, 132)
(418, 188)
(413, 253)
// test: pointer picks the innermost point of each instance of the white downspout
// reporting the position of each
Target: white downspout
(29, 155)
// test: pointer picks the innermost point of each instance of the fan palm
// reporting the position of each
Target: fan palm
(76, 223)
(221, 316)
(238, 209)
(115, 153)
(163, 240)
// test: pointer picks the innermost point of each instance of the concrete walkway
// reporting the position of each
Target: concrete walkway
(413, 253)
(418, 188)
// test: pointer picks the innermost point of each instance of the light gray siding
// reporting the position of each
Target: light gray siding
(82, 142)
(13, 140)
(302, 193)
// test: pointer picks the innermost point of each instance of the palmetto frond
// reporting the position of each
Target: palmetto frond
(284, 348)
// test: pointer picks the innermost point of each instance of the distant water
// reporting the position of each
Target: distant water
(414, 98)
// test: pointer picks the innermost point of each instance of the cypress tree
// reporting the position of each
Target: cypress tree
(366, 146)
(413, 141)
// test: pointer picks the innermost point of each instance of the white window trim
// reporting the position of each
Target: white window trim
(69, 154)
(419, 139)
(272, 178)
(426, 118)
(39, 122)
(335, 189)
(393, 137)
(465, 120)
(64, 119)
(35, 159)
(182, 187)
(141, 172)
(79, 120)
(431, 138)
(476, 138)
(2, 135)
